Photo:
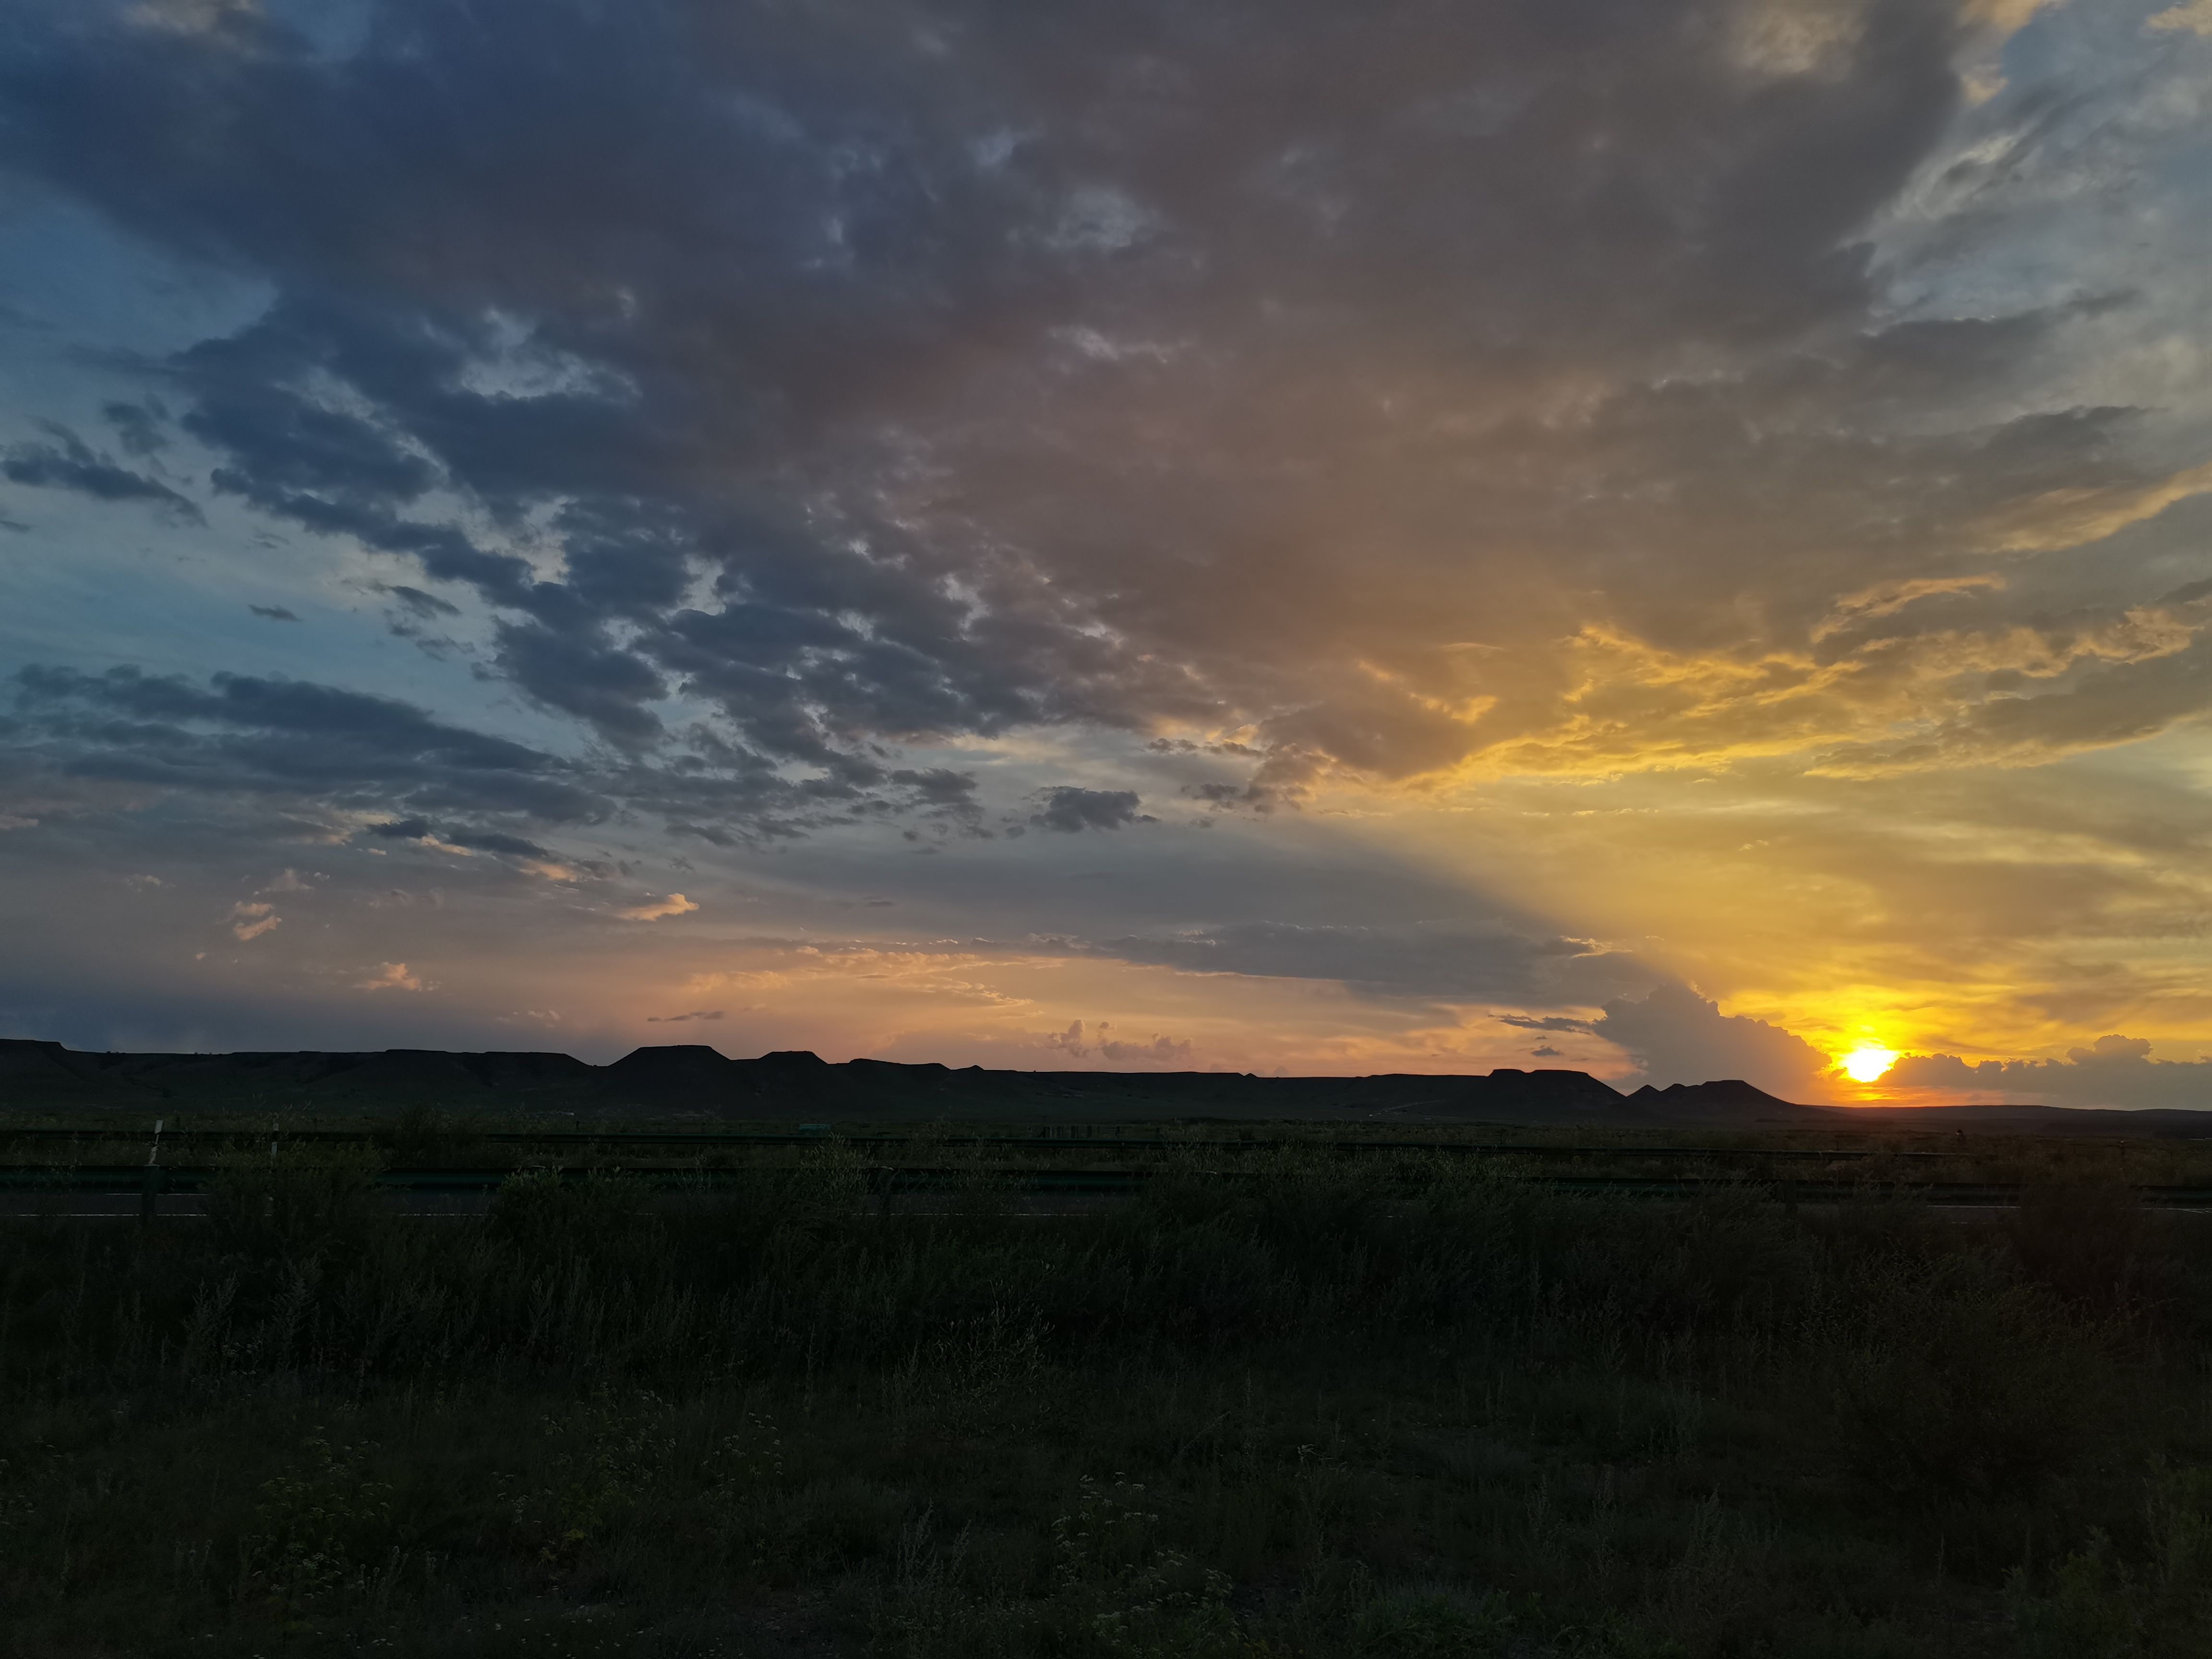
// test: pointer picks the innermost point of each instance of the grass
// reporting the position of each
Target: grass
(1392, 1406)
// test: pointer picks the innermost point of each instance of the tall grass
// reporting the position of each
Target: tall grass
(1394, 1406)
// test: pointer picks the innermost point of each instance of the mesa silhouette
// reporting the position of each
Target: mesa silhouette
(688, 1080)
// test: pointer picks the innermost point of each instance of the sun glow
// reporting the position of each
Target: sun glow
(1867, 1062)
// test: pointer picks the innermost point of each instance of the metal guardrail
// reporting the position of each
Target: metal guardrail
(1086, 1140)
(126, 1179)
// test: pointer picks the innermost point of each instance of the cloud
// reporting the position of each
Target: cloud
(1875, 603)
(243, 734)
(677, 1019)
(424, 606)
(2112, 1072)
(2069, 517)
(273, 612)
(138, 427)
(1071, 810)
(457, 836)
(391, 976)
(71, 464)
(1156, 1050)
(938, 787)
(854, 456)
(656, 909)
(350, 751)
(578, 672)
(252, 921)
(791, 425)
(2192, 17)
(1676, 1035)
(193, 16)
(285, 730)
(1463, 962)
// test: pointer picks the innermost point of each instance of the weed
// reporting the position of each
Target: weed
(1959, 1383)
(294, 1203)
(420, 1136)
(323, 1527)
(1397, 1407)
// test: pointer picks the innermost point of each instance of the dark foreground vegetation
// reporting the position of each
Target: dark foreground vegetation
(1393, 1405)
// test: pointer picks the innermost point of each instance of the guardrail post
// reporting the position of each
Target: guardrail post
(150, 1184)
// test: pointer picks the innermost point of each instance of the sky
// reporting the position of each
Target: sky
(1667, 538)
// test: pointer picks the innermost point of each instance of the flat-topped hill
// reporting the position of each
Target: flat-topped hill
(691, 1079)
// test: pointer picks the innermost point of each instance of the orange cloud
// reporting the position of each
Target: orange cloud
(254, 920)
(654, 909)
(2059, 518)
(1893, 597)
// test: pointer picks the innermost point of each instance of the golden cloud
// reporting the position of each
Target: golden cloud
(254, 920)
(2193, 17)
(2060, 518)
(655, 909)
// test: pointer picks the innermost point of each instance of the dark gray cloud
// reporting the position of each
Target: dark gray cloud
(937, 785)
(1676, 1035)
(69, 463)
(2113, 1071)
(843, 370)
(380, 725)
(1071, 810)
(138, 427)
(1440, 961)
(577, 672)
(272, 612)
(332, 749)
(423, 606)
(245, 734)
(483, 840)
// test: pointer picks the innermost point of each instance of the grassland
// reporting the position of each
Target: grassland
(1403, 1403)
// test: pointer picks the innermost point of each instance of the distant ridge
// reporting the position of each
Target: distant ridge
(1725, 1102)
(694, 1080)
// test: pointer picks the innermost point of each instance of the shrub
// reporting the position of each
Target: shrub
(1960, 1381)
(422, 1137)
(1439, 1620)
(300, 1203)
(547, 1217)
(2083, 1240)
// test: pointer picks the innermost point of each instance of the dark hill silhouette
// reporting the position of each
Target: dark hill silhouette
(678, 1071)
(694, 1080)
(1721, 1103)
(31, 1073)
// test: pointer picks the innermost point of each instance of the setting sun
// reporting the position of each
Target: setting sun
(1866, 1063)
